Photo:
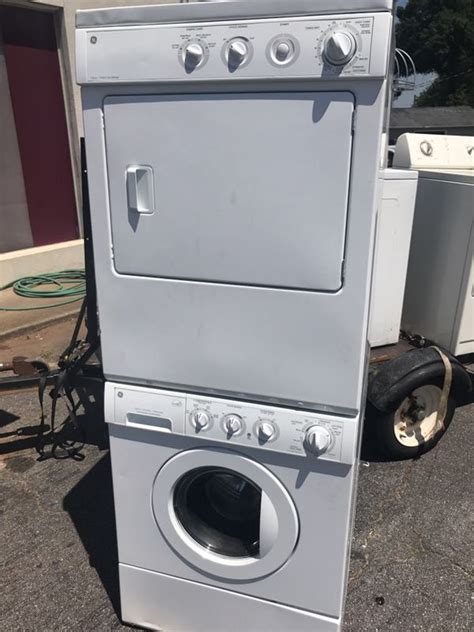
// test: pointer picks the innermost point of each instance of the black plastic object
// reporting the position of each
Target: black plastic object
(390, 381)
(91, 291)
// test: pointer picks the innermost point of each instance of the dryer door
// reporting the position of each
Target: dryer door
(248, 189)
(225, 514)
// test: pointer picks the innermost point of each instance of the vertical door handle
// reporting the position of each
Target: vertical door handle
(140, 189)
(268, 525)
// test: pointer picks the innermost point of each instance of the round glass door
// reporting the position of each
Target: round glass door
(224, 513)
(220, 509)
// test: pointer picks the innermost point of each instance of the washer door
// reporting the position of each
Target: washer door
(225, 514)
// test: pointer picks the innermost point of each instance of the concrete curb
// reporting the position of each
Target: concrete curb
(40, 259)
(39, 324)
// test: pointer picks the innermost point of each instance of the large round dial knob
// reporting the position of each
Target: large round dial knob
(266, 430)
(317, 440)
(237, 52)
(233, 423)
(193, 54)
(340, 48)
(200, 419)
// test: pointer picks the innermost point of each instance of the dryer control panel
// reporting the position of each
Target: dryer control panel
(326, 47)
(233, 422)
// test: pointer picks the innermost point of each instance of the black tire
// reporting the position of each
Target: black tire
(380, 440)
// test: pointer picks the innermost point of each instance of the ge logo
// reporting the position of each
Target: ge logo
(426, 148)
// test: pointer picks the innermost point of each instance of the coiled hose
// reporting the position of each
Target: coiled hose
(70, 284)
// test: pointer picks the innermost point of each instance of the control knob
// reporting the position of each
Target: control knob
(317, 440)
(233, 423)
(193, 55)
(237, 52)
(339, 48)
(200, 419)
(266, 430)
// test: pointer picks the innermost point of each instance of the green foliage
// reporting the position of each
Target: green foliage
(439, 35)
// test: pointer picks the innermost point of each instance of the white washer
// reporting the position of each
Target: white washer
(230, 515)
(233, 159)
(439, 295)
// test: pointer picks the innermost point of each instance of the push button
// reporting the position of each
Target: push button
(282, 51)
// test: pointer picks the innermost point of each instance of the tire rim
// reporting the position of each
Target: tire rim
(415, 420)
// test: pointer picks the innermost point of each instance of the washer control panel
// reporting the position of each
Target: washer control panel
(234, 422)
(323, 47)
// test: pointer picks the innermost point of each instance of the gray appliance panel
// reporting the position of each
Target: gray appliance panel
(159, 51)
(120, 16)
(172, 411)
(147, 596)
(250, 189)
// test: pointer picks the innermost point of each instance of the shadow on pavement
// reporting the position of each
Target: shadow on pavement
(91, 508)
(90, 503)
(91, 428)
(14, 438)
(19, 439)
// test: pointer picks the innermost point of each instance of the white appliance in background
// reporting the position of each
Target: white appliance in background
(392, 247)
(233, 159)
(439, 295)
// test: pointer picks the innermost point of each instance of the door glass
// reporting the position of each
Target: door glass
(220, 509)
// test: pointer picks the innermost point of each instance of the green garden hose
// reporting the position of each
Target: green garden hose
(70, 284)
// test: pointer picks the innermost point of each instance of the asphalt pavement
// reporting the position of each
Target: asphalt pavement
(411, 565)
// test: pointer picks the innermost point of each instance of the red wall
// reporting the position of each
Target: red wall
(37, 99)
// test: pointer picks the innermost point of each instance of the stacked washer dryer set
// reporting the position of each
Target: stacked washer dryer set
(233, 160)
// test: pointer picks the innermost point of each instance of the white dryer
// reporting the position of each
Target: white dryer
(233, 161)
(233, 153)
